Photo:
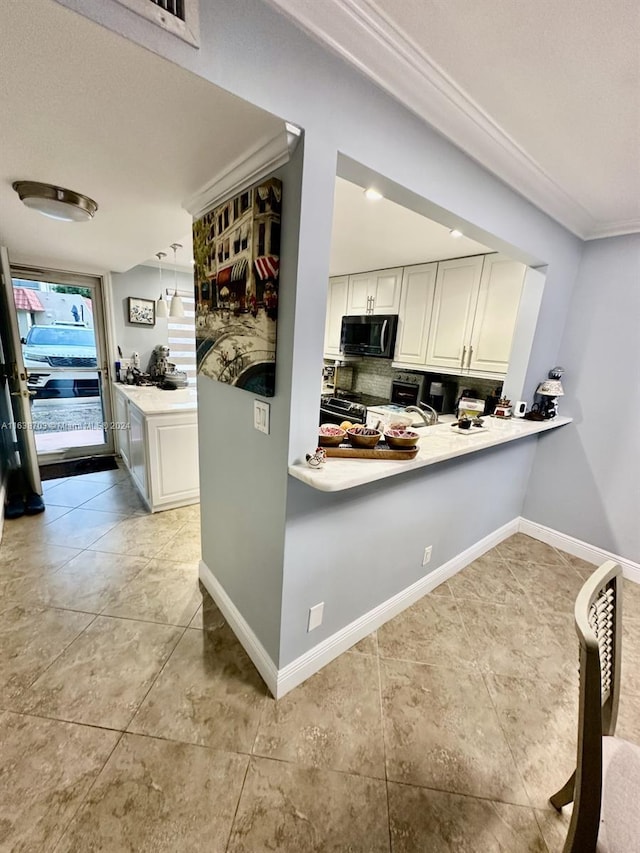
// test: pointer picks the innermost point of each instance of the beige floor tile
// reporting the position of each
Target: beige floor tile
(207, 615)
(488, 578)
(161, 592)
(554, 827)
(183, 514)
(104, 675)
(630, 600)
(549, 587)
(424, 820)
(30, 639)
(430, 631)
(79, 528)
(294, 809)
(47, 768)
(110, 478)
(584, 568)
(441, 731)
(159, 797)
(209, 693)
(48, 485)
(516, 640)
(139, 536)
(32, 559)
(333, 720)
(87, 582)
(540, 722)
(74, 492)
(521, 548)
(185, 546)
(630, 670)
(442, 589)
(29, 527)
(628, 725)
(123, 498)
(367, 646)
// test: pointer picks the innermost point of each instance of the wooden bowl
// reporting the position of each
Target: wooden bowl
(363, 436)
(330, 435)
(400, 439)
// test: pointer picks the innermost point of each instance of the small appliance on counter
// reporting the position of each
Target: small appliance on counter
(504, 408)
(470, 407)
(163, 372)
(337, 377)
(441, 396)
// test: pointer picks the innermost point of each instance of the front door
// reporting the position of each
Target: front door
(61, 322)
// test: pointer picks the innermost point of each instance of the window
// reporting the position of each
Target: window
(245, 201)
(236, 207)
(225, 217)
(226, 249)
(261, 238)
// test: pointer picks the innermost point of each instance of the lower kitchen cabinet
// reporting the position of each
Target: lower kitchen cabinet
(160, 448)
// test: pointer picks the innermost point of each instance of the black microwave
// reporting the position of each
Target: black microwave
(369, 334)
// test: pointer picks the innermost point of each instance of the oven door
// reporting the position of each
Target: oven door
(404, 393)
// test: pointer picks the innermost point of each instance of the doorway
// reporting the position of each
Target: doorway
(62, 333)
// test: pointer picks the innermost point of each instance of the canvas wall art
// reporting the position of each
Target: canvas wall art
(236, 249)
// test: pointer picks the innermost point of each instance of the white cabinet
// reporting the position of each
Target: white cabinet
(456, 294)
(336, 309)
(416, 303)
(376, 292)
(160, 448)
(496, 314)
(122, 433)
(475, 308)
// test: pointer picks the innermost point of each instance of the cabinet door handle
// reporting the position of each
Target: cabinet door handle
(470, 354)
(464, 352)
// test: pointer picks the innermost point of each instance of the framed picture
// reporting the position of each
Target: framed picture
(142, 311)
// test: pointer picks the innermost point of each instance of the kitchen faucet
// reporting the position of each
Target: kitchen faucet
(427, 420)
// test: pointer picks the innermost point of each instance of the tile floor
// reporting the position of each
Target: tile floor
(132, 720)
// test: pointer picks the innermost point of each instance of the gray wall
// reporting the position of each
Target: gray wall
(243, 473)
(143, 282)
(336, 548)
(586, 478)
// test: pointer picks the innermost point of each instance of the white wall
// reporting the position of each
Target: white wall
(586, 478)
(342, 549)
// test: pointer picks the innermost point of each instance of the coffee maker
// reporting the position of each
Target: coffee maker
(442, 396)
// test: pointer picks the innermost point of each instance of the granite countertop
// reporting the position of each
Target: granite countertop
(437, 444)
(151, 400)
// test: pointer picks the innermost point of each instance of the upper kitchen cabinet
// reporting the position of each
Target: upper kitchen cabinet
(416, 304)
(496, 313)
(336, 308)
(376, 292)
(454, 305)
(474, 315)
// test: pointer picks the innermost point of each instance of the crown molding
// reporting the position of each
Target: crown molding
(359, 32)
(251, 166)
(615, 229)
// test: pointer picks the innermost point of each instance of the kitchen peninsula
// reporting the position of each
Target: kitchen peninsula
(437, 444)
(160, 444)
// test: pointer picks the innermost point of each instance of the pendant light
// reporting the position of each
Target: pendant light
(161, 304)
(177, 308)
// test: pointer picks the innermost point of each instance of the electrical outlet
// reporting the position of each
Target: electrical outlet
(427, 555)
(261, 416)
(315, 616)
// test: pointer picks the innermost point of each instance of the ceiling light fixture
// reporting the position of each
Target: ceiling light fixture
(56, 202)
(177, 308)
(161, 304)
(455, 233)
(373, 195)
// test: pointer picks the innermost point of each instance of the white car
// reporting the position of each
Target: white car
(52, 356)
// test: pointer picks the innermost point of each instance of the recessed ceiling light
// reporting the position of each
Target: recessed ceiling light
(455, 233)
(56, 202)
(373, 195)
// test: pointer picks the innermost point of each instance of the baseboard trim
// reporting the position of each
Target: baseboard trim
(319, 656)
(241, 628)
(578, 548)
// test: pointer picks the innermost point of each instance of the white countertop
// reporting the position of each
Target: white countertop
(155, 401)
(437, 444)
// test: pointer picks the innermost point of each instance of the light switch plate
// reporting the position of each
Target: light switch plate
(315, 616)
(261, 416)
